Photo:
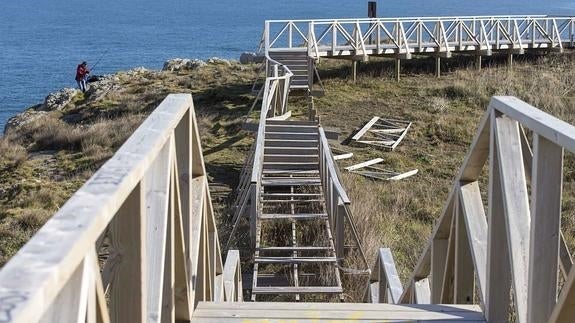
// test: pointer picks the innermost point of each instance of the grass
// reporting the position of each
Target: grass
(43, 163)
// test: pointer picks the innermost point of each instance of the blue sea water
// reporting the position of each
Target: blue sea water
(42, 41)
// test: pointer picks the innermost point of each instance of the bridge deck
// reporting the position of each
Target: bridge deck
(332, 312)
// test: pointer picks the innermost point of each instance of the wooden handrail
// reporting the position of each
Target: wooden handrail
(517, 239)
(151, 203)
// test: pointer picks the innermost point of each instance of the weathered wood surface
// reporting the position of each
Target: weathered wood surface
(330, 312)
(152, 201)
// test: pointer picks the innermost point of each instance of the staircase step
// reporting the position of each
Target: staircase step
(291, 182)
(291, 142)
(291, 158)
(293, 151)
(302, 216)
(292, 123)
(291, 128)
(293, 201)
(298, 290)
(291, 194)
(292, 248)
(294, 260)
(292, 135)
(290, 171)
(291, 165)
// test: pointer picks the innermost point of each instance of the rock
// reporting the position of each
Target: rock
(250, 58)
(217, 60)
(58, 100)
(182, 64)
(102, 84)
(22, 119)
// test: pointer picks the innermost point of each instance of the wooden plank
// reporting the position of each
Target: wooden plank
(478, 152)
(157, 206)
(516, 204)
(365, 128)
(476, 225)
(298, 290)
(546, 191)
(498, 276)
(128, 293)
(293, 260)
(464, 286)
(326, 312)
(343, 156)
(448, 277)
(387, 266)
(364, 164)
(70, 304)
(438, 262)
(403, 175)
(422, 291)
(403, 134)
(546, 125)
(230, 271)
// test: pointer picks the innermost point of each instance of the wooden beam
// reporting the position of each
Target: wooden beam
(464, 286)
(498, 276)
(128, 292)
(546, 190)
(476, 225)
(516, 205)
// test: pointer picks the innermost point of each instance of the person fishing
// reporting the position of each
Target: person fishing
(82, 72)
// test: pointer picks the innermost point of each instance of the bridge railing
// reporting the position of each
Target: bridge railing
(425, 35)
(515, 244)
(138, 242)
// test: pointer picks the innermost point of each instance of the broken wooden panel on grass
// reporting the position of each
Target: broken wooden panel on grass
(368, 170)
(381, 132)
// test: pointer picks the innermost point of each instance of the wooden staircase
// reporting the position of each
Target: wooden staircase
(295, 253)
(300, 64)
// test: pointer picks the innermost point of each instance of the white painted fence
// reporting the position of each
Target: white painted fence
(402, 37)
(137, 243)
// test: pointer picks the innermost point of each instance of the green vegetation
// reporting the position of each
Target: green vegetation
(45, 161)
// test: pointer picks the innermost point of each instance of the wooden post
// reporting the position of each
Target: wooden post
(546, 190)
(478, 62)
(311, 108)
(397, 68)
(354, 70)
(510, 60)
(438, 66)
(128, 234)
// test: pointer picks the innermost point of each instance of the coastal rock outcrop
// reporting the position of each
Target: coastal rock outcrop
(58, 100)
(250, 58)
(23, 118)
(179, 64)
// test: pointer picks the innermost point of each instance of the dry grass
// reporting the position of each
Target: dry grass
(445, 112)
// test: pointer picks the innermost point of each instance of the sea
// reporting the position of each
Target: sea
(42, 41)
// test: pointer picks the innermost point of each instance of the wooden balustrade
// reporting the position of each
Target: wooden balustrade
(421, 35)
(513, 246)
(138, 242)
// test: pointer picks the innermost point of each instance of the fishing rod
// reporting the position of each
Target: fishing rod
(99, 60)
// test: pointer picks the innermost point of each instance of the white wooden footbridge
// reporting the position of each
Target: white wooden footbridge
(138, 242)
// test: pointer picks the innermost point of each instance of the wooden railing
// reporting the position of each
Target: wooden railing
(515, 245)
(384, 283)
(138, 242)
(338, 205)
(408, 35)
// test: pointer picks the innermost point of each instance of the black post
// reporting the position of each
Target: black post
(371, 13)
(372, 9)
